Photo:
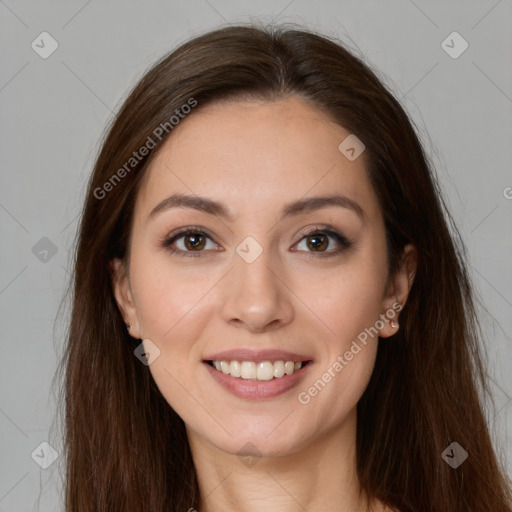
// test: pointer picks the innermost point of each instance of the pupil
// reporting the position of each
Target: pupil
(320, 241)
(196, 242)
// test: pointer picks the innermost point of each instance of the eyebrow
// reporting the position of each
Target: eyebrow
(211, 207)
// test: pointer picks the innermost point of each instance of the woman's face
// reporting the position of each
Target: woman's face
(269, 274)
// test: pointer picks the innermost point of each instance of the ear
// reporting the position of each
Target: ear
(397, 291)
(124, 295)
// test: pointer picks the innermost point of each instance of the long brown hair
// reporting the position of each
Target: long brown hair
(126, 449)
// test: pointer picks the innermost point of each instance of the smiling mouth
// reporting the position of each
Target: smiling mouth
(258, 370)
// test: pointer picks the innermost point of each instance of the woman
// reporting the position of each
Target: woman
(270, 311)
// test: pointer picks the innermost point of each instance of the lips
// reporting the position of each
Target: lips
(271, 355)
(258, 374)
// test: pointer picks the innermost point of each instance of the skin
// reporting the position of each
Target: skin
(255, 157)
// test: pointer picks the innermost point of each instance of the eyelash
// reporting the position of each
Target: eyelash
(338, 237)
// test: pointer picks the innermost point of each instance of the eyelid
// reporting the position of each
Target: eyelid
(324, 228)
(187, 230)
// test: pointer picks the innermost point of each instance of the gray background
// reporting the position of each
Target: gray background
(54, 111)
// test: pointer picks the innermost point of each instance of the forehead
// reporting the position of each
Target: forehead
(256, 155)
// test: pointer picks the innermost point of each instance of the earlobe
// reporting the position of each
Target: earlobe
(123, 295)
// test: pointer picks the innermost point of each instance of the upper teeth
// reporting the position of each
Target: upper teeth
(264, 370)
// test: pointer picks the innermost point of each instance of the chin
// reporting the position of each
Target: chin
(260, 441)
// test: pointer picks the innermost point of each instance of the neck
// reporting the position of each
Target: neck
(320, 476)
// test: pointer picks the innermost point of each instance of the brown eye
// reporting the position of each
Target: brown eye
(194, 241)
(323, 242)
(317, 243)
(190, 242)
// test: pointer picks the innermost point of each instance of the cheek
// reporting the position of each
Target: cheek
(335, 389)
(345, 300)
(350, 308)
(173, 307)
(347, 307)
(169, 300)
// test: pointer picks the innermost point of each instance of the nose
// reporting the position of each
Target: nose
(256, 295)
